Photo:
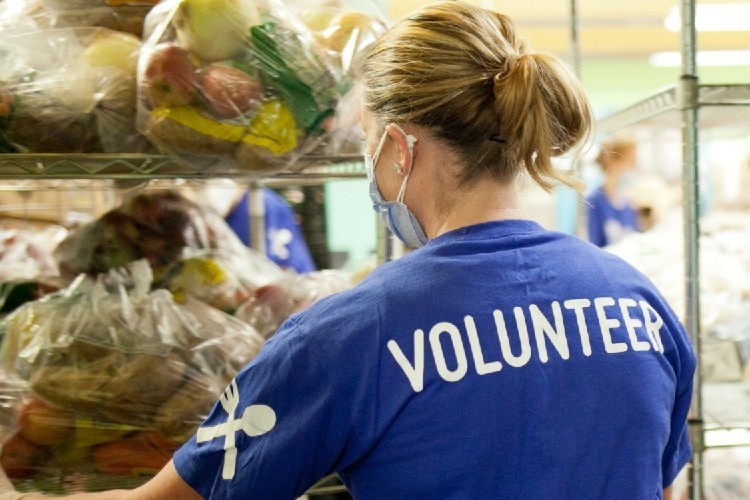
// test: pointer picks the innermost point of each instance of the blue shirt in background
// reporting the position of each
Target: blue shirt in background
(285, 243)
(606, 223)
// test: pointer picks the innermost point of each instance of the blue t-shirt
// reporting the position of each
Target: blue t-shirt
(608, 224)
(500, 361)
(285, 244)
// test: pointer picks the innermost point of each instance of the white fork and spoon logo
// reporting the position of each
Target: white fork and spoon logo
(255, 421)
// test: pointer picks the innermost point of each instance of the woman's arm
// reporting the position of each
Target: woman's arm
(167, 485)
(667, 493)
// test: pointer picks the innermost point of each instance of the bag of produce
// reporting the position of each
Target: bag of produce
(120, 15)
(26, 253)
(191, 249)
(114, 376)
(344, 30)
(23, 16)
(243, 80)
(273, 303)
(27, 269)
(69, 90)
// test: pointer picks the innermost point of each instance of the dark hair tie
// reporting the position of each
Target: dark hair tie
(496, 138)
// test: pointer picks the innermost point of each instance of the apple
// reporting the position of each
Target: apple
(113, 48)
(170, 77)
(276, 297)
(215, 30)
(44, 424)
(230, 92)
(21, 458)
(6, 103)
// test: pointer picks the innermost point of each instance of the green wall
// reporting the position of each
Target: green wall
(351, 221)
(614, 83)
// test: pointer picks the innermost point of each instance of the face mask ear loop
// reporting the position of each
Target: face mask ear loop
(402, 191)
(376, 154)
(410, 140)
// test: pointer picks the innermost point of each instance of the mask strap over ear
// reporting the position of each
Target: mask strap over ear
(410, 140)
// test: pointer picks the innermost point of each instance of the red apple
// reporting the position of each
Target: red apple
(6, 103)
(230, 92)
(276, 297)
(170, 77)
(21, 458)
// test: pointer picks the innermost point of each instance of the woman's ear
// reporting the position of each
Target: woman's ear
(405, 144)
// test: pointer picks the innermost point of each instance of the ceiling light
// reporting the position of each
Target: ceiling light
(713, 17)
(703, 58)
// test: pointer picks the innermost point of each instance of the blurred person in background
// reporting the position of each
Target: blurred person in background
(285, 244)
(610, 215)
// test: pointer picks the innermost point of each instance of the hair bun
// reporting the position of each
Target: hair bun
(509, 65)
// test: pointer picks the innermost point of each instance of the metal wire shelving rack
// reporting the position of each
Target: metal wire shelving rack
(696, 110)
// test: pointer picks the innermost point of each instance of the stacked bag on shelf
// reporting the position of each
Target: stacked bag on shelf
(271, 304)
(69, 90)
(159, 304)
(28, 270)
(254, 83)
(126, 16)
(190, 249)
(108, 377)
(118, 15)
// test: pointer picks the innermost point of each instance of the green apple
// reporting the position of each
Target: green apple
(215, 30)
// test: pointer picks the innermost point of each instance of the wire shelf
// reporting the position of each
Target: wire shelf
(75, 167)
(721, 107)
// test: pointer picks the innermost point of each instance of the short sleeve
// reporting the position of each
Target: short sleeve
(287, 432)
(678, 450)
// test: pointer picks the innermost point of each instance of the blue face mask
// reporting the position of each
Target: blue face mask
(395, 214)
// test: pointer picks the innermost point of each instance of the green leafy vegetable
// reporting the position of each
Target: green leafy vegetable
(301, 80)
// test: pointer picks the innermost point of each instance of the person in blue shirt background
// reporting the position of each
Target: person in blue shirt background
(285, 243)
(610, 215)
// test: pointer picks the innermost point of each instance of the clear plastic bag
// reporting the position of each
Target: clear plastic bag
(69, 90)
(120, 15)
(240, 79)
(343, 31)
(271, 304)
(115, 376)
(27, 269)
(23, 16)
(191, 249)
(27, 253)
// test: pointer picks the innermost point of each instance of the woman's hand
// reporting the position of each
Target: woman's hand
(7, 490)
(166, 485)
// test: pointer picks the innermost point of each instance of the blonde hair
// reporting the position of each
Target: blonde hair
(463, 72)
(614, 148)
